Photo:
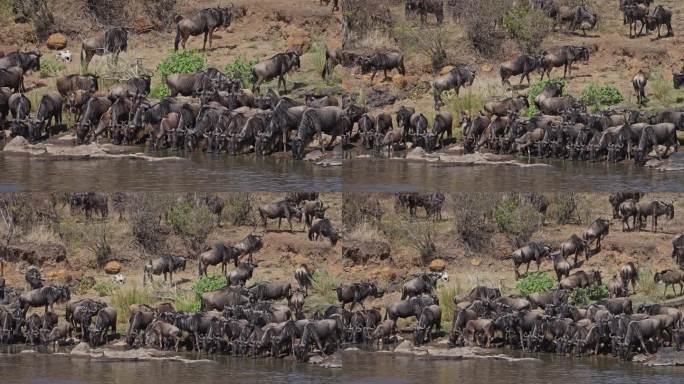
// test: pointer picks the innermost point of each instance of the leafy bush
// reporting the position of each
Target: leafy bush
(241, 69)
(192, 223)
(50, 68)
(586, 296)
(205, 284)
(190, 61)
(527, 26)
(472, 222)
(146, 211)
(564, 209)
(159, 91)
(538, 86)
(104, 288)
(598, 95)
(535, 282)
(240, 208)
(517, 219)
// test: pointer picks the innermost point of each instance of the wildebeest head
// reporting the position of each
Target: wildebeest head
(297, 145)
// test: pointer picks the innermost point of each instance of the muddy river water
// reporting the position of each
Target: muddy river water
(358, 367)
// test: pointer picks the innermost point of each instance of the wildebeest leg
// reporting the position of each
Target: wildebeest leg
(375, 72)
(204, 45)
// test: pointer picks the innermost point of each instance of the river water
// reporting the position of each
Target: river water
(248, 173)
(358, 367)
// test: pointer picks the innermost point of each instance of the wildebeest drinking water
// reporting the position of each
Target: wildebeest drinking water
(277, 66)
(206, 22)
(333, 121)
(114, 41)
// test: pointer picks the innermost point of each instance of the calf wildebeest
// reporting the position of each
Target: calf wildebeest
(382, 61)
(241, 274)
(27, 61)
(279, 210)
(655, 209)
(355, 293)
(206, 22)
(525, 255)
(324, 228)
(12, 78)
(426, 7)
(565, 57)
(521, 65)
(304, 277)
(163, 265)
(218, 254)
(46, 296)
(72, 83)
(114, 41)
(598, 229)
(639, 82)
(277, 66)
(163, 331)
(660, 16)
(580, 279)
(629, 273)
(617, 198)
(457, 77)
(670, 277)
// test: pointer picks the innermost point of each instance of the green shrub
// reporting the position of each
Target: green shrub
(192, 223)
(564, 210)
(181, 62)
(535, 282)
(159, 91)
(240, 208)
(516, 218)
(205, 284)
(104, 288)
(537, 87)
(50, 68)
(241, 69)
(598, 95)
(586, 296)
(527, 26)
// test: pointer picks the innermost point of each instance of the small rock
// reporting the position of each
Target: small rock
(112, 267)
(82, 349)
(437, 265)
(57, 41)
(417, 153)
(27, 352)
(405, 347)
(314, 156)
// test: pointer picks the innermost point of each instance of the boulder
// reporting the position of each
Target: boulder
(416, 153)
(363, 252)
(437, 265)
(112, 267)
(36, 254)
(57, 41)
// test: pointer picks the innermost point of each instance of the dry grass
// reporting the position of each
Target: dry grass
(365, 232)
(41, 234)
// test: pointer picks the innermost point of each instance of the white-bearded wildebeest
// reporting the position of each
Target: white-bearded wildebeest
(355, 293)
(560, 265)
(521, 65)
(598, 229)
(280, 210)
(652, 137)
(420, 284)
(670, 277)
(46, 296)
(425, 7)
(574, 246)
(633, 14)
(678, 79)
(218, 254)
(324, 227)
(206, 22)
(322, 333)
(580, 279)
(314, 209)
(678, 249)
(660, 16)
(504, 107)
(615, 199)
(222, 298)
(639, 83)
(95, 108)
(267, 291)
(382, 61)
(114, 41)
(19, 106)
(241, 274)
(185, 84)
(333, 121)
(655, 209)
(430, 317)
(27, 61)
(249, 245)
(162, 331)
(49, 111)
(441, 126)
(564, 57)
(277, 66)
(104, 322)
(71, 83)
(628, 209)
(615, 287)
(137, 323)
(133, 87)
(576, 17)
(13, 78)
(629, 273)
(458, 77)
(304, 277)
(525, 255)
(162, 266)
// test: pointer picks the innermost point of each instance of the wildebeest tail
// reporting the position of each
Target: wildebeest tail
(199, 266)
(255, 78)
(178, 37)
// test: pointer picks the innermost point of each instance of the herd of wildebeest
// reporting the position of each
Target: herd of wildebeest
(209, 111)
(272, 318)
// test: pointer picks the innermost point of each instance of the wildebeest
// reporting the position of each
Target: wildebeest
(426, 7)
(114, 41)
(429, 317)
(653, 136)
(12, 78)
(598, 229)
(277, 66)
(521, 65)
(241, 274)
(105, 321)
(565, 57)
(33, 278)
(617, 198)
(639, 82)
(313, 210)
(72, 83)
(423, 283)
(660, 16)
(324, 227)
(670, 277)
(163, 265)
(94, 109)
(222, 298)
(560, 265)
(27, 61)
(382, 61)
(163, 331)
(629, 273)
(678, 249)
(333, 121)
(576, 17)
(304, 277)
(266, 291)
(528, 253)
(634, 14)
(206, 22)
(49, 110)
(616, 288)
(218, 254)
(279, 210)
(655, 209)
(46, 296)
(133, 87)
(580, 279)
(506, 106)
(457, 77)
(355, 293)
